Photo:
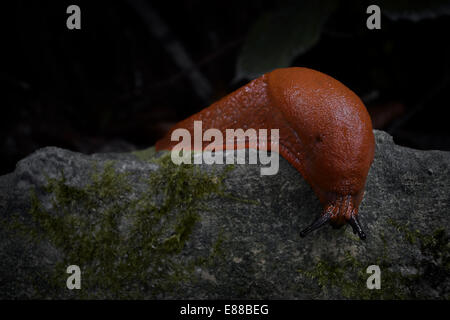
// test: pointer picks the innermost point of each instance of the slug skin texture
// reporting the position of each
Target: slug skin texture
(325, 132)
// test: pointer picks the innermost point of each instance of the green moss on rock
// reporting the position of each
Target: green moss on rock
(126, 243)
(146, 154)
(346, 276)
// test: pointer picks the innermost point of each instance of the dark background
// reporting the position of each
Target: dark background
(114, 85)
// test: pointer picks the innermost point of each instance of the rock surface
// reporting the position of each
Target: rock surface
(139, 227)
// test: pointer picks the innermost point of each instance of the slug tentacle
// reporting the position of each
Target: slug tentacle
(356, 226)
(319, 222)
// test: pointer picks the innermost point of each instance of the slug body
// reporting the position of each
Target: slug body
(325, 132)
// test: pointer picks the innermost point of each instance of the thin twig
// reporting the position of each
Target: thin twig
(159, 29)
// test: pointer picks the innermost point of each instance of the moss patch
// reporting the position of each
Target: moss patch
(346, 277)
(126, 243)
(146, 154)
(434, 261)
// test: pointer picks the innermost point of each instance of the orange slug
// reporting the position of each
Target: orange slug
(325, 132)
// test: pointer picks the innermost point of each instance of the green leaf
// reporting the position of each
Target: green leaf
(280, 36)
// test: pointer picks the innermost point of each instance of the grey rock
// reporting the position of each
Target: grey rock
(247, 241)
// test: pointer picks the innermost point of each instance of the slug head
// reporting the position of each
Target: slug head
(337, 214)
